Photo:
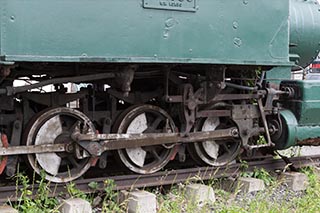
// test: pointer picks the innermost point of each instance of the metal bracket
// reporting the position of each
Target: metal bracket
(190, 100)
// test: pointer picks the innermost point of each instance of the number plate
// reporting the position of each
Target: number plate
(180, 5)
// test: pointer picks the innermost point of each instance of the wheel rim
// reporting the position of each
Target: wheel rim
(145, 119)
(55, 126)
(211, 152)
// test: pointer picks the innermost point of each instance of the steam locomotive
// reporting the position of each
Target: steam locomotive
(155, 81)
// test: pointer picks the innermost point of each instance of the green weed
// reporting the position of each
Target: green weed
(39, 202)
(110, 201)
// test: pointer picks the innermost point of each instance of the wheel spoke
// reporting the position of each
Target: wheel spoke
(226, 148)
(61, 121)
(154, 125)
(155, 155)
(73, 126)
(73, 161)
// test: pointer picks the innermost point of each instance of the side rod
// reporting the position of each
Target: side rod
(104, 142)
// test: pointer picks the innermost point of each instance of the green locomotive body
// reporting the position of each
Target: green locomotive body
(144, 31)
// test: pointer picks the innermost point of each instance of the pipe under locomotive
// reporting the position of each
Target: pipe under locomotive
(157, 81)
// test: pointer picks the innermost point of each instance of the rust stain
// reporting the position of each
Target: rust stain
(310, 142)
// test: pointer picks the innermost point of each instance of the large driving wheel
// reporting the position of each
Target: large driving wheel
(55, 126)
(145, 119)
(212, 152)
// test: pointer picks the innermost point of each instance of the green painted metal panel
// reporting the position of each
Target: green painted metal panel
(278, 74)
(310, 102)
(304, 30)
(289, 134)
(306, 103)
(251, 32)
(293, 133)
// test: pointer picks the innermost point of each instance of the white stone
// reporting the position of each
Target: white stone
(248, 185)
(7, 209)
(296, 181)
(297, 151)
(199, 193)
(75, 205)
(141, 202)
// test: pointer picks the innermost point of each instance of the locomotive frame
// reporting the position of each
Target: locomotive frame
(196, 84)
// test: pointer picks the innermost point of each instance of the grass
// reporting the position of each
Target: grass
(173, 200)
(40, 202)
(262, 202)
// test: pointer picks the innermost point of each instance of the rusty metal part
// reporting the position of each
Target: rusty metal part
(241, 87)
(133, 154)
(215, 82)
(120, 141)
(218, 98)
(309, 142)
(124, 78)
(265, 123)
(32, 149)
(5, 71)
(54, 98)
(158, 139)
(15, 141)
(231, 97)
(214, 152)
(84, 78)
(246, 117)
(190, 103)
(276, 128)
(54, 127)
(272, 95)
(136, 97)
(129, 182)
(174, 98)
(213, 113)
(4, 159)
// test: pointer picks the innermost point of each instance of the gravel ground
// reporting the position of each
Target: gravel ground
(276, 195)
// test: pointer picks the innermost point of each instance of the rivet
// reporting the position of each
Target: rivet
(170, 22)
(237, 42)
(235, 25)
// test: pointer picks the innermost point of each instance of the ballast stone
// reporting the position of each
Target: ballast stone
(75, 205)
(295, 181)
(200, 194)
(248, 185)
(141, 202)
(7, 209)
